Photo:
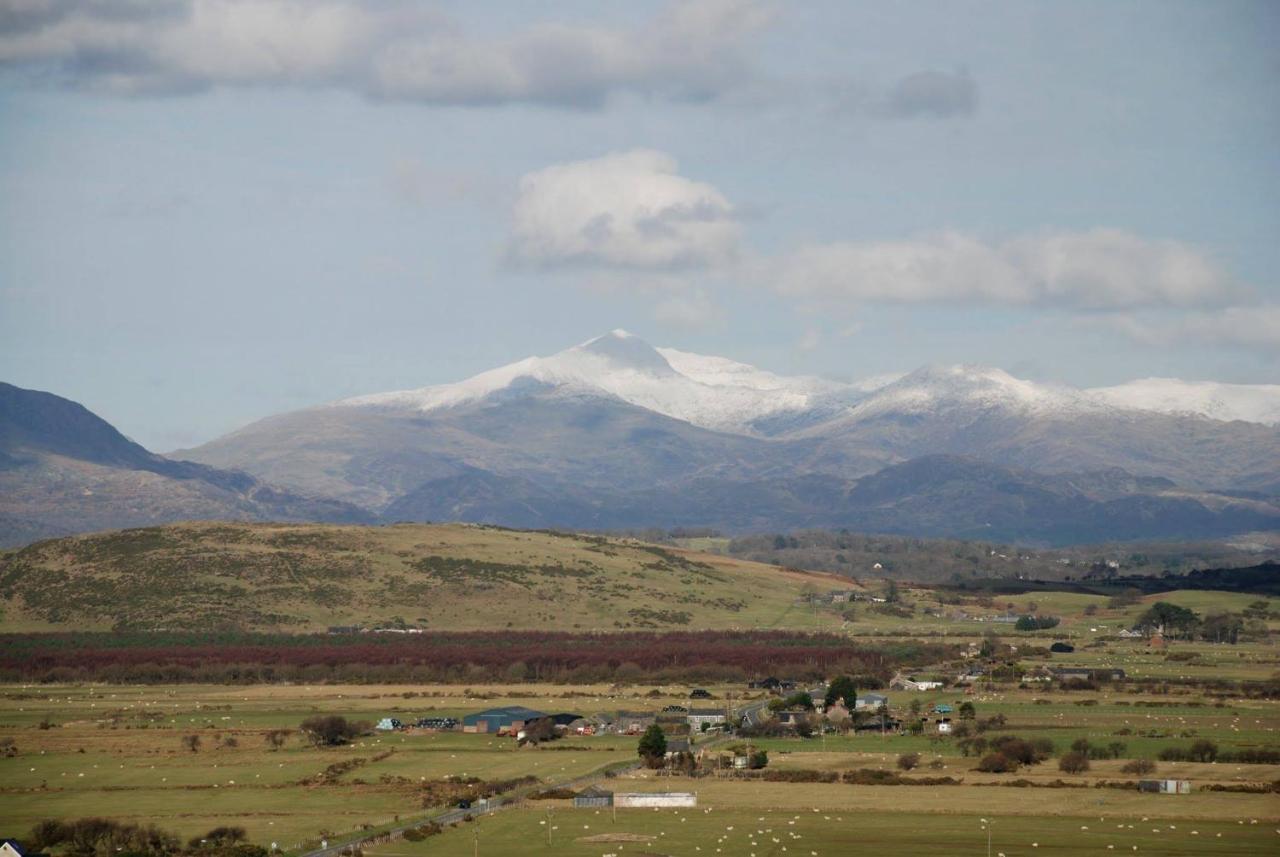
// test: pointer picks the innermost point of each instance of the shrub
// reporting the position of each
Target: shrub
(908, 761)
(1139, 767)
(1074, 762)
(997, 763)
(332, 730)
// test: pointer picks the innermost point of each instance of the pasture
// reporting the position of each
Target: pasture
(119, 751)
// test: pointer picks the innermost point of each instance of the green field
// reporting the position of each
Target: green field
(117, 751)
(836, 828)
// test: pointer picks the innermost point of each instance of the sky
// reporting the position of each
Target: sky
(216, 210)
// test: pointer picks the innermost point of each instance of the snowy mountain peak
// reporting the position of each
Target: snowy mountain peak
(711, 392)
(625, 351)
(939, 387)
(725, 395)
(1254, 403)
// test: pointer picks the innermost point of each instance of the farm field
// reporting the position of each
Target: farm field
(118, 751)
(774, 822)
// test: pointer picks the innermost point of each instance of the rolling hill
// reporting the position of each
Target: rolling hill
(281, 577)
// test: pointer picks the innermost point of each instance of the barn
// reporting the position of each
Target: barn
(509, 718)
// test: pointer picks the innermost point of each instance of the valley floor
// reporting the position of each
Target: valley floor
(119, 751)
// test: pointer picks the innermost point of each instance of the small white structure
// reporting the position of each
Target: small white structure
(1165, 787)
(655, 799)
(710, 716)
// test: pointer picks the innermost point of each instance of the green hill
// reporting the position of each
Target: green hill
(288, 577)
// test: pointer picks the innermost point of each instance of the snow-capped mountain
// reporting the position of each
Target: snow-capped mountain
(615, 433)
(938, 389)
(1253, 403)
(724, 395)
(709, 392)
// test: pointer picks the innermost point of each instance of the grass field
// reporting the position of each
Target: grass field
(847, 826)
(117, 751)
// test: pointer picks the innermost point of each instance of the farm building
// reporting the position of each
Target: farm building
(655, 799)
(510, 718)
(564, 718)
(593, 797)
(1165, 787)
(910, 683)
(633, 722)
(677, 745)
(711, 717)
(870, 700)
(792, 716)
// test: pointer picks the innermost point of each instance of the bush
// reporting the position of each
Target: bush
(1139, 767)
(997, 763)
(1203, 750)
(1074, 762)
(332, 730)
(1022, 751)
(908, 761)
(89, 836)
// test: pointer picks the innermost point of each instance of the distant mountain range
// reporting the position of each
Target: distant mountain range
(615, 433)
(64, 470)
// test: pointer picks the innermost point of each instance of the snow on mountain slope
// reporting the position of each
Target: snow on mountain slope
(725, 395)
(1255, 403)
(711, 392)
(938, 388)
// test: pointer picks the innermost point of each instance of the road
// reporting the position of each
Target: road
(752, 715)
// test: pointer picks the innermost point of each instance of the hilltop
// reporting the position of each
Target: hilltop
(285, 577)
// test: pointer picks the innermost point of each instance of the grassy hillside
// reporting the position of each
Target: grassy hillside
(443, 577)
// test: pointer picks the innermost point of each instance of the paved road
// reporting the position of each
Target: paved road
(753, 714)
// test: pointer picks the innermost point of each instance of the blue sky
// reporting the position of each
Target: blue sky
(211, 211)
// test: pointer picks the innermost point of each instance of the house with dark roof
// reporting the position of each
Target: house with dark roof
(633, 722)
(593, 796)
(508, 719)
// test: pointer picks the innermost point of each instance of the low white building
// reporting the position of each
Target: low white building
(655, 799)
(712, 717)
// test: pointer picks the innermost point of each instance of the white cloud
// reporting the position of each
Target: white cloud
(629, 210)
(381, 48)
(1098, 269)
